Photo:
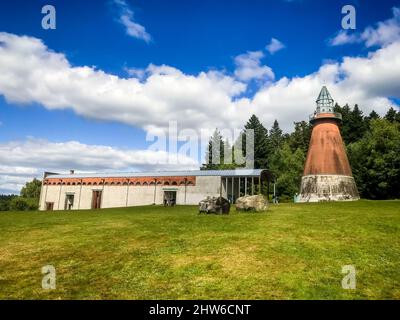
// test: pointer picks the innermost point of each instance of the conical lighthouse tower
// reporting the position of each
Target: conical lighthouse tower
(327, 173)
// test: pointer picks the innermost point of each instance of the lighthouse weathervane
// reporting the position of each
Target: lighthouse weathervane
(327, 173)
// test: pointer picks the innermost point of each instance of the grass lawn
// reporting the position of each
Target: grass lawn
(294, 251)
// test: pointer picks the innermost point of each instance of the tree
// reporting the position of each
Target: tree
(373, 115)
(345, 125)
(300, 137)
(215, 152)
(275, 137)
(287, 166)
(375, 160)
(5, 201)
(23, 204)
(391, 115)
(31, 189)
(260, 142)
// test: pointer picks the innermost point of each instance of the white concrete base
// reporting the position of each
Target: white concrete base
(315, 188)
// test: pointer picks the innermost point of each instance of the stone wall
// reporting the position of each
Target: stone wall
(315, 188)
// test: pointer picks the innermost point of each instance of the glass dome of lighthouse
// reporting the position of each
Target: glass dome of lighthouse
(325, 107)
(324, 101)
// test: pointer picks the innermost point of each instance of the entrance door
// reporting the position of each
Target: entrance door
(69, 202)
(96, 199)
(49, 206)
(169, 198)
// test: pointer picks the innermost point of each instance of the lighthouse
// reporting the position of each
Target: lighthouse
(327, 174)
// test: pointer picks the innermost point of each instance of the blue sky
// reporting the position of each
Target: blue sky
(193, 37)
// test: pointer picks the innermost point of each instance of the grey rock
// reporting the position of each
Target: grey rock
(252, 203)
(215, 205)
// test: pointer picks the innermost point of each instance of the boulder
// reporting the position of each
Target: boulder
(214, 205)
(252, 203)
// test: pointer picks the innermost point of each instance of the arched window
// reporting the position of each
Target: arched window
(166, 183)
(145, 183)
(190, 183)
(138, 183)
(174, 183)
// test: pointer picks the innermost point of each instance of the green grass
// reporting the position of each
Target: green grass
(293, 251)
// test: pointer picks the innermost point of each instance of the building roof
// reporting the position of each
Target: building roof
(222, 173)
(324, 98)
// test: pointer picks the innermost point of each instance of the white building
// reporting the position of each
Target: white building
(94, 191)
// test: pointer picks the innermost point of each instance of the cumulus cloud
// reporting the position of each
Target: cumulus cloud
(248, 67)
(386, 32)
(206, 100)
(274, 46)
(344, 37)
(382, 34)
(152, 97)
(23, 160)
(126, 18)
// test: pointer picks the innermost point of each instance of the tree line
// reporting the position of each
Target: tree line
(27, 200)
(372, 144)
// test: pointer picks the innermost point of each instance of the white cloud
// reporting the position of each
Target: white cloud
(344, 37)
(132, 28)
(23, 160)
(383, 34)
(206, 100)
(248, 67)
(159, 94)
(274, 46)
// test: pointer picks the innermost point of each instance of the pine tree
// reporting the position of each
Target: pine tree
(275, 136)
(357, 125)
(215, 152)
(373, 115)
(391, 115)
(260, 142)
(300, 137)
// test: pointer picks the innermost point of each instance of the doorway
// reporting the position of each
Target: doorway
(49, 206)
(96, 199)
(169, 198)
(69, 202)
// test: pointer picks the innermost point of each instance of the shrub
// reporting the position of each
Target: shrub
(23, 204)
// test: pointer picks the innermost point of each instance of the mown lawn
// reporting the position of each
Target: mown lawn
(294, 251)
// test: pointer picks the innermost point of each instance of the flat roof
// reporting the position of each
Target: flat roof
(222, 173)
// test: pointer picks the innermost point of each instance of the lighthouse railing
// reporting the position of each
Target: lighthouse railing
(319, 115)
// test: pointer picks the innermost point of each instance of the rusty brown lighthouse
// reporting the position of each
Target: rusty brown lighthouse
(327, 173)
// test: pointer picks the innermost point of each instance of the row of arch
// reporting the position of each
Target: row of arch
(89, 183)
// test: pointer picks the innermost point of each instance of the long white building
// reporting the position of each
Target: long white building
(93, 191)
